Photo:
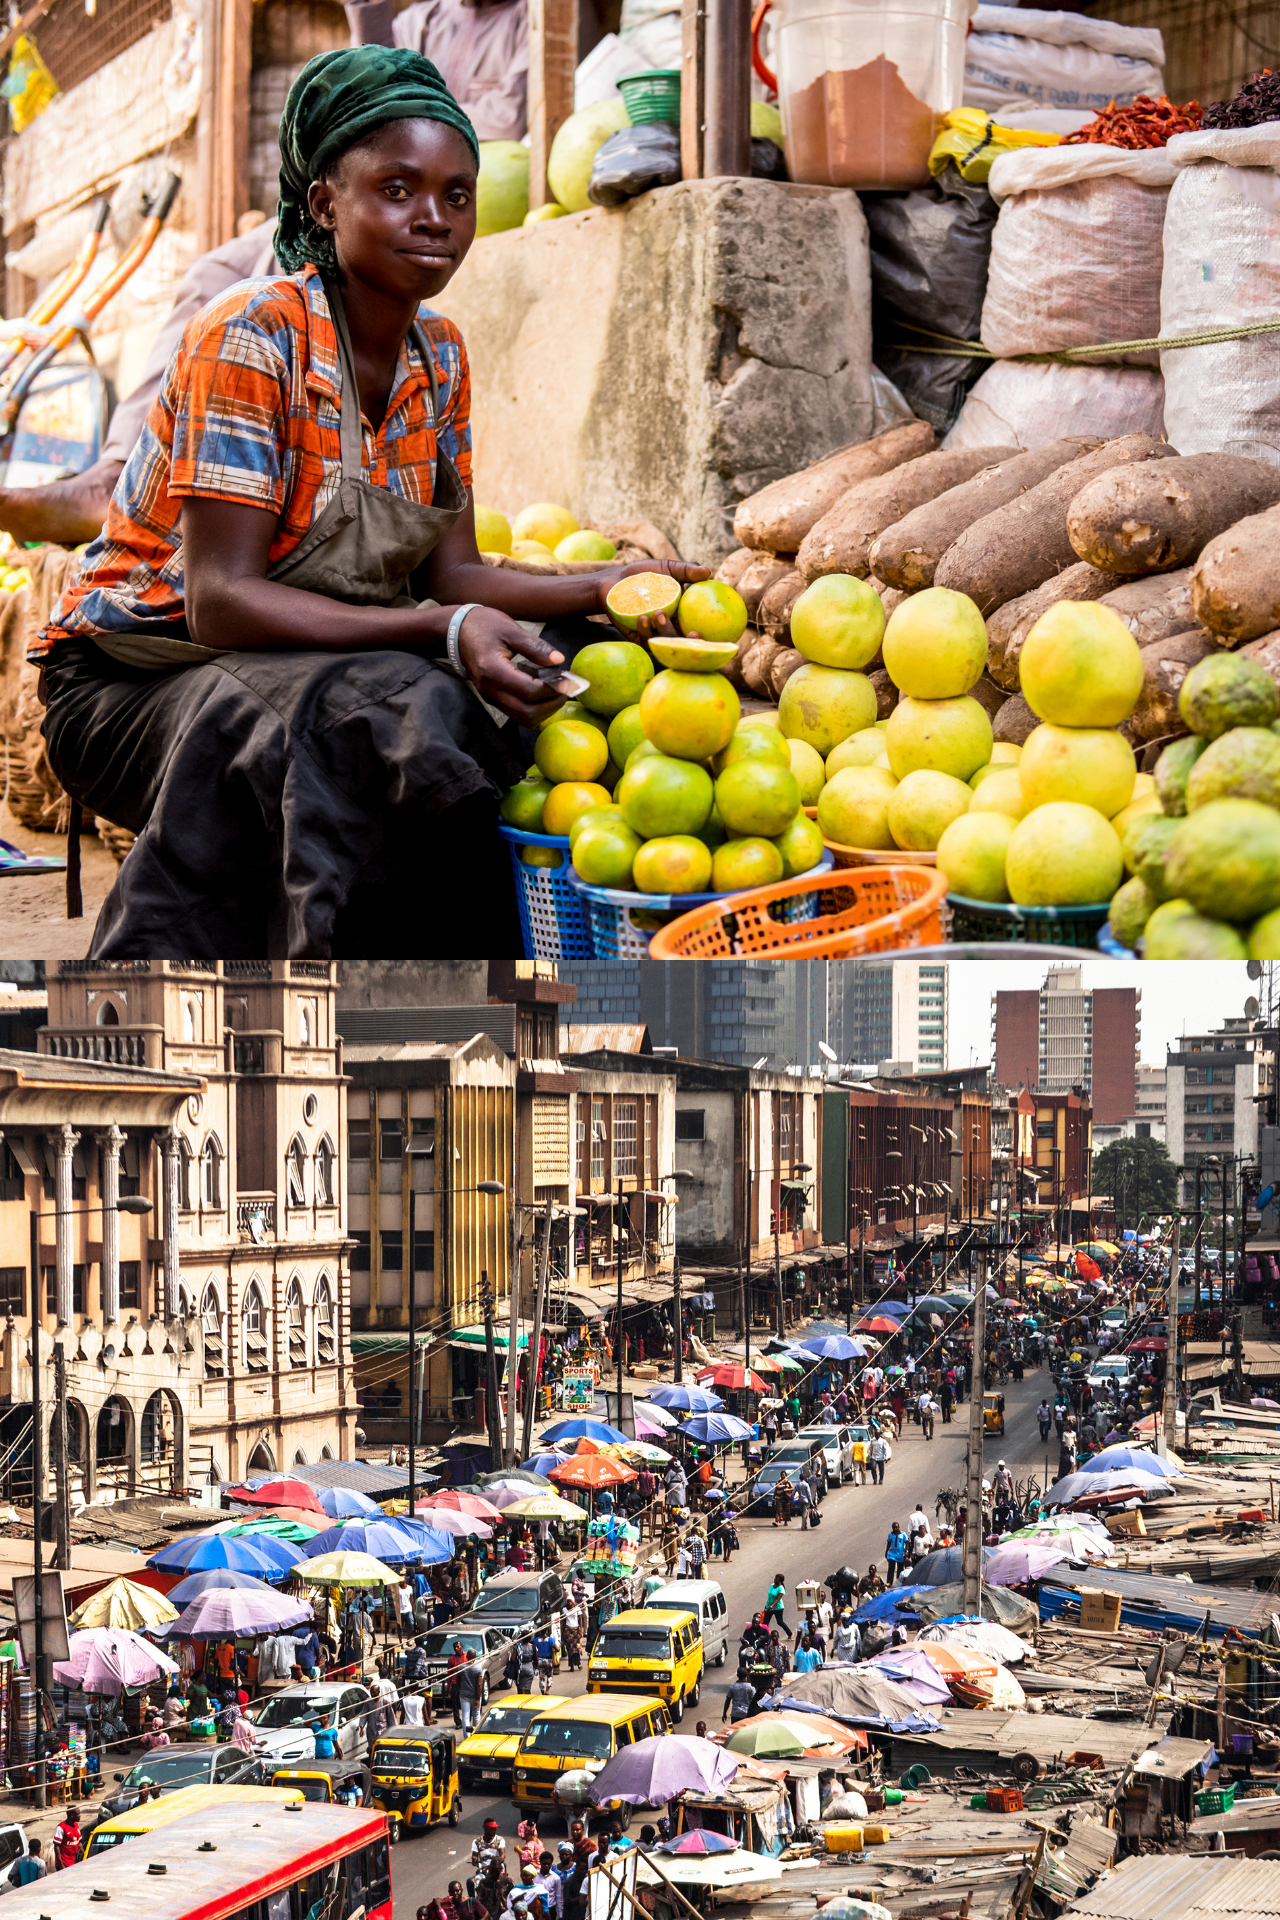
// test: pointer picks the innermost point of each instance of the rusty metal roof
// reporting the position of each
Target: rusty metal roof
(1152, 1886)
(609, 1036)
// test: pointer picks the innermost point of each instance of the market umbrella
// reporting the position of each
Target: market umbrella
(1019, 1560)
(942, 1564)
(729, 1870)
(1113, 1458)
(715, 1429)
(542, 1463)
(346, 1569)
(1075, 1536)
(987, 1635)
(878, 1323)
(1075, 1486)
(546, 1506)
(219, 1577)
(302, 1532)
(343, 1503)
(789, 1363)
(770, 1739)
(698, 1840)
(461, 1526)
(735, 1379)
(111, 1660)
(473, 1503)
(123, 1603)
(581, 1428)
(504, 1497)
(264, 1555)
(655, 1416)
(769, 1363)
(837, 1346)
(817, 1732)
(228, 1613)
(638, 1453)
(509, 1477)
(389, 1540)
(684, 1399)
(275, 1493)
(592, 1470)
(655, 1770)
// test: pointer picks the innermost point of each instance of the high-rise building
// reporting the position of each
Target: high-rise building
(896, 1012)
(1068, 1036)
(1214, 1082)
(737, 1011)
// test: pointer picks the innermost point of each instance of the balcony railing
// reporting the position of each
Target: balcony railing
(115, 1046)
(256, 1217)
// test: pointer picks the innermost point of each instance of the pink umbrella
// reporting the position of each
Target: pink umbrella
(109, 1659)
(472, 1503)
(648, 1429)
(460, 1525)
(1021, 1560)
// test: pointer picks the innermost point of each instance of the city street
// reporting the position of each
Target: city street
(855, 1521)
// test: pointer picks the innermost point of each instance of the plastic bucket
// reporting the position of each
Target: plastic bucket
(652, 97)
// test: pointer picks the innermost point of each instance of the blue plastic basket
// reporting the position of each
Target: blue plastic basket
(621, 924)
(552, 919)
(1108, 944)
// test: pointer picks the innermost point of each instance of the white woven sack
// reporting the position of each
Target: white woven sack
(1076, 254)
(1222, 269)
(1027, 404)
(1064, 60)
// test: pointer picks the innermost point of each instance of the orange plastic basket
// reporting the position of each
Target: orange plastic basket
(859, 910)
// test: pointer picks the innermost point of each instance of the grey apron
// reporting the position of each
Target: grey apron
(365, 544)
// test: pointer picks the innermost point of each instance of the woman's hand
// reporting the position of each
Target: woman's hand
(680, 570)
(488, 646)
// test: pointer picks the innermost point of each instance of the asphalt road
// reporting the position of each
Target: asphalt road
(855, 1521)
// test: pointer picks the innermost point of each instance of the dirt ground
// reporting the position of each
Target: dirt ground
(33, 911)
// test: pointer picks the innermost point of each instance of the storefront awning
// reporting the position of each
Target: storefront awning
(473, 1337)
(396, 1341)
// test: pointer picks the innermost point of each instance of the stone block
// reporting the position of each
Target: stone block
(664, 359)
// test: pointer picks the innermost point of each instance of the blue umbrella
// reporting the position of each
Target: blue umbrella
(885, 1605)
(222, 1577)
(834, 1346)
(343, 1503)
(582, 1428)
(709, 1428)
(391, 1541)
(684, 1399)
(262, 1553)
(543, 1462)
(1102, 1480)
(1140, 1457)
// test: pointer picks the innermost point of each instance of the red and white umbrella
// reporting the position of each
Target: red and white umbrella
(472, 1503)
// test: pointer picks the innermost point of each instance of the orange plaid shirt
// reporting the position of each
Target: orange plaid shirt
(249, 411)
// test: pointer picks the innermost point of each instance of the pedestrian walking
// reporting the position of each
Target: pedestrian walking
(895, 1549)
(877, 1456)
(775, 1602)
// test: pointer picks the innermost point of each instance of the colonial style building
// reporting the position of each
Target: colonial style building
(246, 1265)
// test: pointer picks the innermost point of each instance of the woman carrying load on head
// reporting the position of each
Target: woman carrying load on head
(284, 664)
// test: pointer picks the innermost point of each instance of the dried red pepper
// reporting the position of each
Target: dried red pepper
(1144, 123)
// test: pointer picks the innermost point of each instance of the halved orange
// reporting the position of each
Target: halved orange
(642, 596)
(693, 656)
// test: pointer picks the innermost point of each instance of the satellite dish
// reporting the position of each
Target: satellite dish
(1251, 1008)
(828, 1053)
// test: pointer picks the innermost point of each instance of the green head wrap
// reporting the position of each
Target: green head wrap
(337, 100)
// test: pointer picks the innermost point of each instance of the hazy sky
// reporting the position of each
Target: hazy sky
(1177, 997)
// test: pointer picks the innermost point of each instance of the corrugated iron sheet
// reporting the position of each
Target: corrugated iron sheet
(610, 1036)
(1247, 1886)
(1157, 1885)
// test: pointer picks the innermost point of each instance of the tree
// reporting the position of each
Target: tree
(1139, 1176)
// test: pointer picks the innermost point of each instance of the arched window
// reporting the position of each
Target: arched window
(107, 1015)
(211, 1173)
(215, 1356)
(326, 1332)
(297, 1171)
(305, 1036)
(255, 1330)
(299, 1458)
(189, 1020)
(186, 1175)
(297, 1319)
(324, 1173)
(326, 1451)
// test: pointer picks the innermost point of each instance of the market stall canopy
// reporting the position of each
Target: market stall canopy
(263, 1555)
(123, 1604)
(1106, 1480)
(1114, 1458)
(770, 1739)
(879, 1323)
(716, 1429)
(582, 1428)
(684, 1399)
(1150, 1343)
(545, 1506)
(656, 1770)
(107, 1660)
(511, 1477)
(836, 1346)
(280, 1492)
(302, 1532)
(1020, 1560)
(996, 1603)
(226, 1613)
(729, 1870)
(592, 1471)
(987, 1635)
(461, 1526)
(214, 1577)
(734, 1379)
(908, 1667)
(452, 1501)
(638, 1453)
(393, 1541)
(854, 1695)
(817, 1733)
(343, 1503)
(346, 1569)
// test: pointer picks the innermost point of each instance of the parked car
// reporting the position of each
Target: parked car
(837, 1447)
(173, 1767)
(791, 1459)
(520, 1602)
(1111, 1370)
(490, 1645)
(284, 1724)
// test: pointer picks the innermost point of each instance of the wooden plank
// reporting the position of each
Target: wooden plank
(693, 55)
(235, 59)
(553, 57)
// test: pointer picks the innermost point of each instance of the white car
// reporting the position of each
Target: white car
(837, 1447)
(284, 1725)
(1112, 1371)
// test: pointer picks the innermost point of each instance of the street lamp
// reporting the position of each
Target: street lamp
(420, 1149)
(127, 1203)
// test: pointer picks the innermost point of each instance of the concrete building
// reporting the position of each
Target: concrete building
(735, 1011)
(1213, 1085)
(1052, 1141)
(1067, 1036)
(1149, 1099)
(252, 1215)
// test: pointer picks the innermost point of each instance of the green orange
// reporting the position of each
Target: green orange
(661, 796)
(674, 863)
(618, 670)
(604, 852)
(571, 750)
(800, 846)
(713, 611)
(521, 806)
(753, 743)
(689, 715)
(757, 797)
(625, 734)
(745, 863)
(567, 800)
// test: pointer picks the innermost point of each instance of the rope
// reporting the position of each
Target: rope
(974, 349)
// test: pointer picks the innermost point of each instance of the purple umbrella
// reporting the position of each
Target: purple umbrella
(225, 1613)
(1021, 1560)
(461, 1525)
(699, 1840)
(109, 1659)
(654, 1771)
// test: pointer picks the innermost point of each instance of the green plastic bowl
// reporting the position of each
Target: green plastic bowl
(652, 97)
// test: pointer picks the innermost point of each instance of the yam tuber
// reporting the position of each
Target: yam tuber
(777, 518)
(841, 541)
(886, 692)
(755, 581)
(1266, 650)
(1235, 584)
(1154, 607)
(774, 612)
(1144, 520)
(787, 660)
(735, 564)
(757, 665)
(1010, 624)
(1024, 543)
(1015, 723)
(1165, 665)
(906, 554)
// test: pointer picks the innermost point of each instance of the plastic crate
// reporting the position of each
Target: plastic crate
(859, 910)
(1004, 1799)
(652, 97)
(1033, 926)
(1218, 1800)
(552, 921)
(621, 924)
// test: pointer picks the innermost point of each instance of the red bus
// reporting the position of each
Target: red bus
(305, 1861)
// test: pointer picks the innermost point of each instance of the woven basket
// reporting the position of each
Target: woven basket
(35, 796)
(116, 840)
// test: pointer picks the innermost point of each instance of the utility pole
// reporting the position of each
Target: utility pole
(513, 1331)
(678, 1374)
(746, 1276)
(617, 1220)
(862, 1271)
(1199, 1232)
(848, 1249)
(493, 1421)
(971, 1558)
(37, 1507)
(542, 1284)
(1169, 1426)
(62, 1478)
(777, 1261)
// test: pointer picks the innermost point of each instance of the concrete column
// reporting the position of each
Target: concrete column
(169, 1147)
(67, 1139)
(110, 1142)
